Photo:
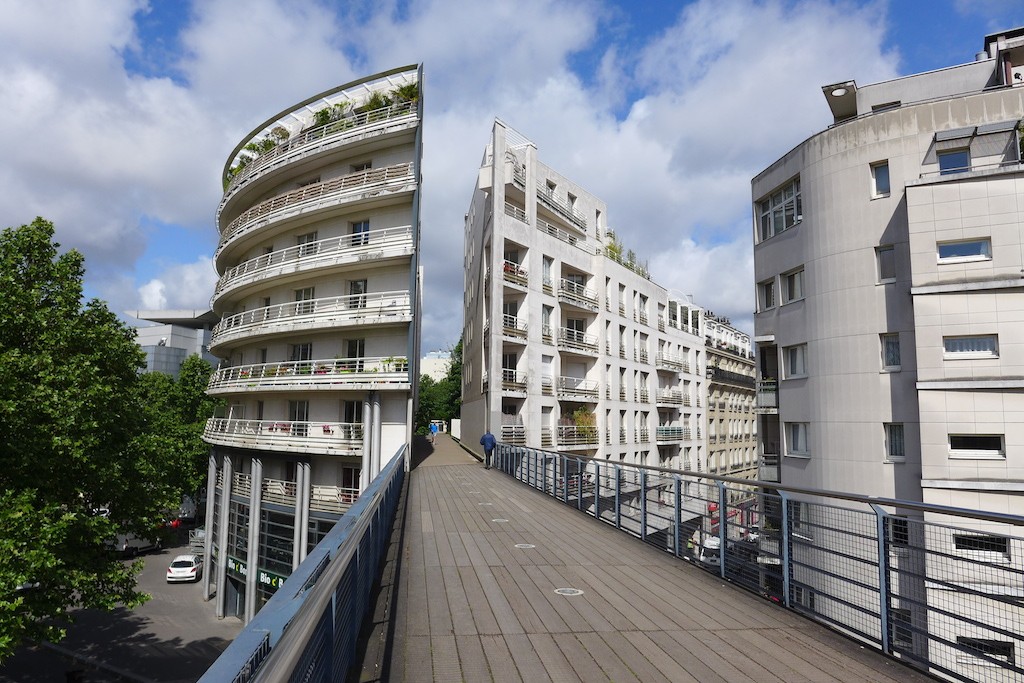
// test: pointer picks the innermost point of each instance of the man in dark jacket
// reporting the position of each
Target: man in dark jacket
(488, 442)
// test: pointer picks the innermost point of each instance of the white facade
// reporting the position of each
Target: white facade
(567, 344)
(319, 335)
(174, 336)
(889, 267)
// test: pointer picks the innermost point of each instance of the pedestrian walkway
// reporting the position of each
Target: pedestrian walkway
(498, 582)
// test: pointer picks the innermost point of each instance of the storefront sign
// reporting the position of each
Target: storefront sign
(263, 577)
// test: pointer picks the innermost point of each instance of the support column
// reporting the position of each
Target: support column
(222, 535)
(252, 556)
(307, 494)
(375, 401)
(365, 465)
(211, 511)
(298, 530)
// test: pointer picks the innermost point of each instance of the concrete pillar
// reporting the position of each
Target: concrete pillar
(375, 401)
(222, 535)
(366, 465)
(298, 535)
(253, 554)
(303, 510)
(211, 511)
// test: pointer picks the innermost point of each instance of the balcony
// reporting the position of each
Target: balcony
(351, 129)
(335, 499)
(327, 374)
(514, 273)
(720, 376)
(561, 208)
(547, 438)
(642, 317)
(326, 438)
(513, 381)
(577, 435)
(641, 356)
(670, 362)
(577, 389)
(547, 385)
(336, 191)
(516, 212)
(513, 434)
(576, 341)
(670, 396)
(642, 396)
(355, 309)
(643, 435)
(367, 247)
(546, 334)
(513, 327)
(575, 294)
(768, 468)
(572, 240)
(767, 396)
(671, 433)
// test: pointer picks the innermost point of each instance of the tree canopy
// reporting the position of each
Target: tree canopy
(83, 456)
(441, 399)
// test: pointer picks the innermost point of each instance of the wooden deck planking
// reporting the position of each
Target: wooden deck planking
(472, 607)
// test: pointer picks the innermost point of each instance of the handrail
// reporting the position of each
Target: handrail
(280, 636)
(382, 369)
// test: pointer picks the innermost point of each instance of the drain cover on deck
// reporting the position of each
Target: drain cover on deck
(485, 503)
(525, 546)
(500, 520)
(569, 591)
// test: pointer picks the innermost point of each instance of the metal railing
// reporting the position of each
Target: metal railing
(575, 340)
(325, 373)
(577, 294)
(939, 588)
(333, 438)
(309, 628)
(562, 208)
(577, 241)
(577, 387)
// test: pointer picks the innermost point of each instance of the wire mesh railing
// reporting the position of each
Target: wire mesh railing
(939, 588)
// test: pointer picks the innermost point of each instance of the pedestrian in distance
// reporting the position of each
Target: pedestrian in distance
(433, 431)
(488, 442)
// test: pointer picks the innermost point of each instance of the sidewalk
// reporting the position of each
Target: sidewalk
(444, 451)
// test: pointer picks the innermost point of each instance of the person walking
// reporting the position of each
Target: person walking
(488, 442)
(433, 431)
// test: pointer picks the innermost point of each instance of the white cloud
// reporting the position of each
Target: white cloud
(184, 285)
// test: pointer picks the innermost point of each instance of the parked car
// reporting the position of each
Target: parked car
(185, 568)
(130, 545)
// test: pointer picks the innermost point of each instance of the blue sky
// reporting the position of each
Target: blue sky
(120, 114)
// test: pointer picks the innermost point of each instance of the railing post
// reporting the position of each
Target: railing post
(597, 490)
(723, 535)
(618, 489)
(565, 479)
(883, 579)
(678, 509)
(643, 505)
(784, 547)
(542, 462)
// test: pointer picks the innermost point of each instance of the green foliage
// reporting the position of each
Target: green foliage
(377, 100)
(410, 92)
(75, 440)
(441, 400)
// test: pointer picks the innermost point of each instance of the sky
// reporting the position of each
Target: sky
(120, 115)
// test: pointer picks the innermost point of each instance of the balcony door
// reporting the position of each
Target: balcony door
(298, 415)
(304, 300)
(357, 294)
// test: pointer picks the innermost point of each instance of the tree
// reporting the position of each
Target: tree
(78, 463)
(441, 400)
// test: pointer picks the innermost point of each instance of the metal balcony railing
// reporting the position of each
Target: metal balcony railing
(370, 308)
(574, 340)
(362, 247)
(331, 438)
(325, 373)
(513, 380)
(672, 433)
(577, 295)
(577, 240)
(511, 326)
(516, 212)
(672, 396)
(767, 394)
(667, 361)
(562, 208)
(577, 387)
(513, 434)
(935, 587)
(576, 435)
(515, 273)
(388, 178)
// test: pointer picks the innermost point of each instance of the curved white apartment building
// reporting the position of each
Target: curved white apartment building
(319, 332)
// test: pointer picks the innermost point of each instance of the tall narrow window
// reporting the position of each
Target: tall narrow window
(796, 360)
(890, 352)
(360, 232)
(766, 294)
(793, 286)
(357, 294)
(886, 257)
(301, 352)
(304, 301)
(894, 450)
(880, 179)
(796, 439)
(307, 244)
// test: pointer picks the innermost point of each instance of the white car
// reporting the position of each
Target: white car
(185, 568)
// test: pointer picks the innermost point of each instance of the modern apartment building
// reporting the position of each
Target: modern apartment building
(318, 298)
(732, 424)
(567, 343)
(174, 336)
(889, 267)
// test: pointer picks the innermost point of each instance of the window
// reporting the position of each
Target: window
(793, 286)
(796, 439)
(974, 346)
(780, 211)
(965, 250)
(308, 181)
(301, 351)
(357, 294)
(954, 161)
(795, 358)
(894, 450)
(901, 628)
(880, 179)
(766, 294)
(890, 352)
(304, 301)
(360, 232)
(363, 166)
(885, 255)
(984, 651)
(355, 350)
(976, 446)
(307, 244)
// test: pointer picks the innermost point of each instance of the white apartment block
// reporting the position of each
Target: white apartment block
(889, 267)
(732, 423)
(567, 344)
(318, 300)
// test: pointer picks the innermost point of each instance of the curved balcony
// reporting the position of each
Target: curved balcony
(372, 246)
(337, 311)
(358, 127)
(577, 389)
(336, 191)
(329, 375)
(576, 341)
(328, 438)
